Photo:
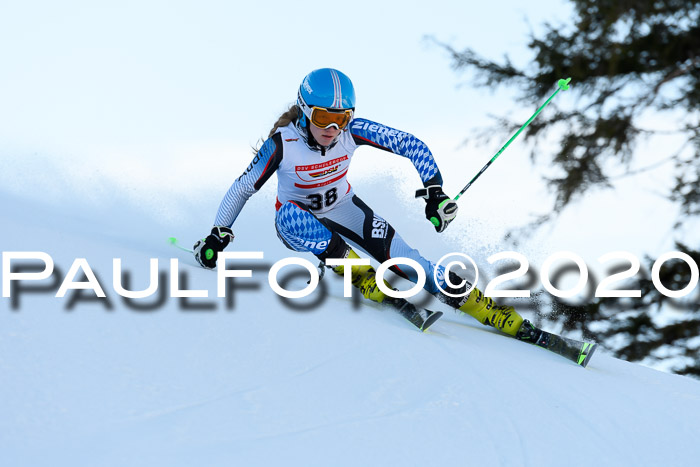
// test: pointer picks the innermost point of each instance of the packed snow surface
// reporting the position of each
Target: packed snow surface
(252, 379)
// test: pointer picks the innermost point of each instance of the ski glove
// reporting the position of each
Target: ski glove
(440, 210)
(207, 250)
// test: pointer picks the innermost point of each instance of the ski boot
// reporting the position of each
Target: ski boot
(363, 277)
(483, 308)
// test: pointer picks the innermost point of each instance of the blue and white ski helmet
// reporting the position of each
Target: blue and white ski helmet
(327, 88)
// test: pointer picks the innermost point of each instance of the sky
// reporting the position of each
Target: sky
(148, 97)
(132, 73)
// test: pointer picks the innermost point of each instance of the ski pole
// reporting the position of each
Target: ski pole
(173, 241)
(563, 84)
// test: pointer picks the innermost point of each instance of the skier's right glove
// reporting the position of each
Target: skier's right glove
(207, 250)
(440, 210)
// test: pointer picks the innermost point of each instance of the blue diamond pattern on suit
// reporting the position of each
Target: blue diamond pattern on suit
(301, 230)
(404, 144)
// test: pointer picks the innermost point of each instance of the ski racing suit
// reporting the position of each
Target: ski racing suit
(315, 199)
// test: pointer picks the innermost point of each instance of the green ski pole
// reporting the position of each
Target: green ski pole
(173, 241)
(563, 84)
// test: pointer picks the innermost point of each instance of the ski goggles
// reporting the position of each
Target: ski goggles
(325, 118)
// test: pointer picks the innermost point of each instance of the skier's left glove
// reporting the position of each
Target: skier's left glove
(440, 210)
(207, 250)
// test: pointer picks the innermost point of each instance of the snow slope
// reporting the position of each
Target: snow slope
(86, 382)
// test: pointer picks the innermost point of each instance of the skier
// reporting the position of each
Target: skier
(310, 147)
